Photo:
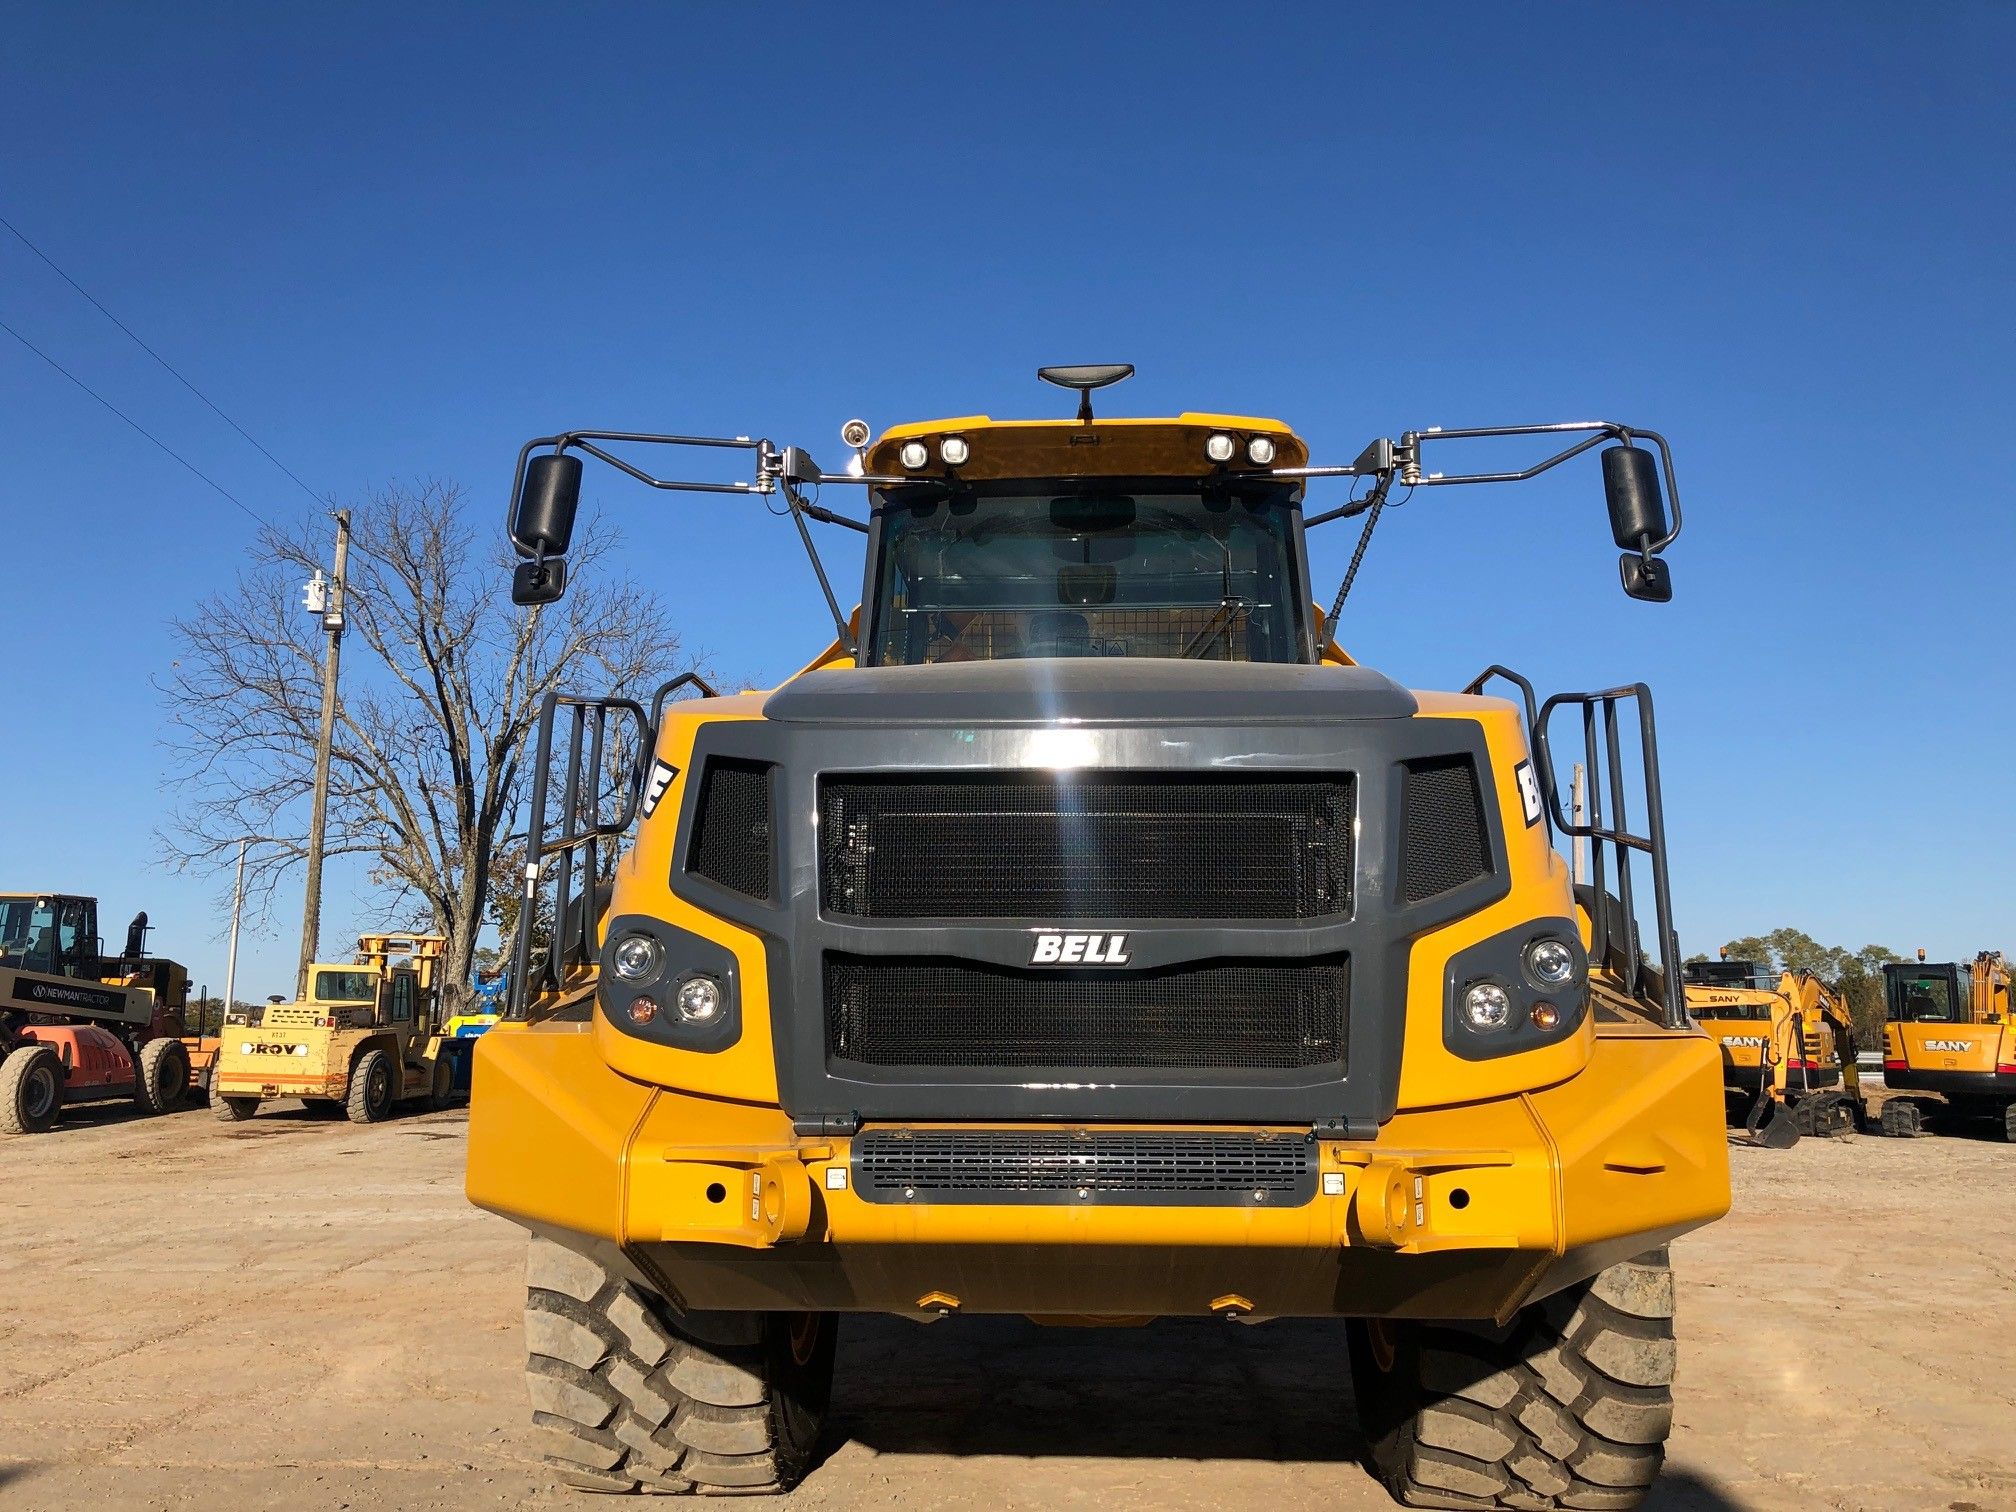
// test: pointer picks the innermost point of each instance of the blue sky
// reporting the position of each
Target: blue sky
(395, 241)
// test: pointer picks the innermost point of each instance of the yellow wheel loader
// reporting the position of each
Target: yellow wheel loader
(366, 1036)
(1951, 1031)
(1083, 934)
(1788, 1050)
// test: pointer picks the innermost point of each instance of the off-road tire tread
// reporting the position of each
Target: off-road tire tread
(630, 1399)
(147, 1073)
(357, 1102)
(232, 1110)
(1901, 1119)
(1568, 1408)
(13, 1072)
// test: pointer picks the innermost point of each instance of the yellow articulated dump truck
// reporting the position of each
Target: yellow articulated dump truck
(1951, 1030)
(1083, 934)
(365, 1037)
(1788, 1049)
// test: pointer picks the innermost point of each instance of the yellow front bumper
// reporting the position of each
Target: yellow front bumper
(1458, 1211)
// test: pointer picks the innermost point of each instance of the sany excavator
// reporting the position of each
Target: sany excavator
(1788, 1049)
(1950, 1031)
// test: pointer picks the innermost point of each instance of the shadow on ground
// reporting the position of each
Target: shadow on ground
(1181, 1389)
(1185, 1389)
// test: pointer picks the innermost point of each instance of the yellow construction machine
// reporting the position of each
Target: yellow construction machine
(1084, 934)
(1788, 1050)
(1950, 1031)
(365, 1036)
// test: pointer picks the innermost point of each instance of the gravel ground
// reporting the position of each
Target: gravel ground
(306, 1314)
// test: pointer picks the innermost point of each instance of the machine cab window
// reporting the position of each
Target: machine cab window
(28, 933)
(1926, 994)
(336, 986)
(402, 997)
(1021, 569)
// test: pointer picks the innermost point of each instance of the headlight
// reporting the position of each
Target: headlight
(954, 450)
(637, 958)
(1551, 962)
(1487, 1006)
(1260, 450)
(1221, 448)
(700, 1000)
(914, 454)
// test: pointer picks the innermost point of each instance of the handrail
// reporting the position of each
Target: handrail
(575, 847)
(1616, 833)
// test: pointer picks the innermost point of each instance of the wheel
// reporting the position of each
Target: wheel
(442, 1093)
(31, 1090)
(371, 1088)
(162, 1080)
(2009, 1122)
(1569, 1407)
(1901, 1119)
(633, 1397)
(233, 1109)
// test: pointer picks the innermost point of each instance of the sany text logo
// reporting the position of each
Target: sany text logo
(1079, 949)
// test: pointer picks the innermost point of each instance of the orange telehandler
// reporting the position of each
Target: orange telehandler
(77, 1025)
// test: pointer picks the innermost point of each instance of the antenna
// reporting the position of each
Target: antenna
(1085, 379)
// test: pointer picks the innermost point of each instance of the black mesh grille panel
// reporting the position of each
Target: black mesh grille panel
(1228, 1015)
(1077, 1165)
(1443, 842)
(1049, 848)
(731, 828)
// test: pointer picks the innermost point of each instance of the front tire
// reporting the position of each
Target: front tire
(371, 1088)
(162, 1081)
(1569, 1407)
(630, 1396)
(31, 1090)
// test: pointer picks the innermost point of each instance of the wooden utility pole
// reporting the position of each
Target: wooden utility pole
(332, 623)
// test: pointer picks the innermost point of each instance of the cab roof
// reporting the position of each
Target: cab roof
(1112, 448)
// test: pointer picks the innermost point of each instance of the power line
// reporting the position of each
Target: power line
(250, 512)
(23, 238)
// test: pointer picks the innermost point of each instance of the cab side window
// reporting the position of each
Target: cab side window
(402, 999)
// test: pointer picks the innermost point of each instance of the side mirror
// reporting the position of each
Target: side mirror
(542, 582)
(1637, 521)
(1646, 578)
(542, 518)
(1631, 486)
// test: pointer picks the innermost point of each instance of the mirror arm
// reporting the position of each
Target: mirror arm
(800, 507)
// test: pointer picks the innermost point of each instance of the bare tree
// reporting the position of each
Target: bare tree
(430, 758)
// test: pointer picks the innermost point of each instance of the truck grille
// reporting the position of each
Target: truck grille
(1062, 848)
(731, 828)
(1078, 1165)
(1443, 841)
(902, 1011)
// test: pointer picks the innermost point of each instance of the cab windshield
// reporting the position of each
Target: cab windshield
(1924, 997)
(28, 932)
(1020, 570)
(346, 987)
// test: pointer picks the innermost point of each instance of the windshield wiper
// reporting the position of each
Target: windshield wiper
(1217, 625)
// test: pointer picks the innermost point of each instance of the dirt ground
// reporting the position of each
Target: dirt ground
(306, 1314)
